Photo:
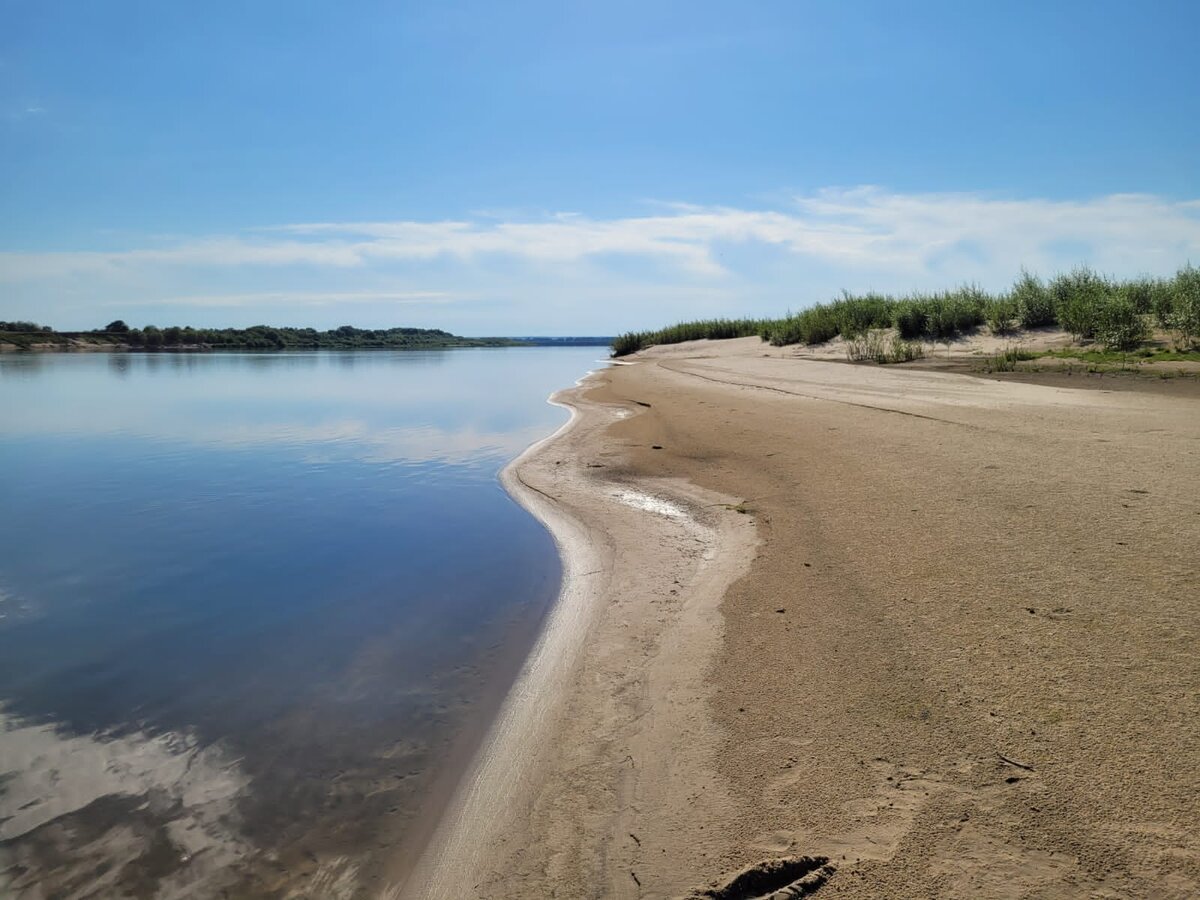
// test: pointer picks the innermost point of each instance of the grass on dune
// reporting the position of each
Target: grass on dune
(874, 346)
(1006, 360)
(713, 329)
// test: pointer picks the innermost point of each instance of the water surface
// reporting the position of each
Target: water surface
(256, 608)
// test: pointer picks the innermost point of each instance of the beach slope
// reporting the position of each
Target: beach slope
(859, 630)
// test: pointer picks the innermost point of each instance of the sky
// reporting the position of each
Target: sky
(578, 168)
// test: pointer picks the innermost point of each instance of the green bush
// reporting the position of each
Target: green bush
(866, 346)
(1184, 318)
(904, 351)
(1078, 297)
(1001, 314)
(858, 315)
(1006, 360)
(629, 342)
(1145, 293)
(1035, 305)
(813, 326)
(713, 329)
(871, 346)
(1162, 306)
(1117, 323)
(909, 318)
(952, 313)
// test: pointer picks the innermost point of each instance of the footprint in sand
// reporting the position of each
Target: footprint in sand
(773, 879)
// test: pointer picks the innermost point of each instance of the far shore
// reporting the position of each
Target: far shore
(873, 631)
(260, 338)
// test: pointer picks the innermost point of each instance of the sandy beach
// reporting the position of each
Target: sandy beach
(856, 630)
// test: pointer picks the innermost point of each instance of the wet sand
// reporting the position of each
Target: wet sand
(875, 631)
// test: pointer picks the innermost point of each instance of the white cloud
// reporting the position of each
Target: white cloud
(190, 788)
(860, 225)
(802, 249)
(1119, 230)
(17, 113)
(347, 438)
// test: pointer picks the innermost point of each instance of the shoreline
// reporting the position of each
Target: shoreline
(452, 838)
(859, 629)
(518, 780)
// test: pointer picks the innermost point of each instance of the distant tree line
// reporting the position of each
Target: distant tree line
(269, 337)
(257, 337)
(24, 326)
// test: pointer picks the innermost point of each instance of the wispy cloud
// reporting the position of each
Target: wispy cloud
(913, 230)
(885, 230)
(20, 111)
(347, 438)
(800, 249)
(49, 773)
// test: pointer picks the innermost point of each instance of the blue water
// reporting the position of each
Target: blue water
(297, 569)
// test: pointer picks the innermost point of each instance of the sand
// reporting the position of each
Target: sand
(861, 631)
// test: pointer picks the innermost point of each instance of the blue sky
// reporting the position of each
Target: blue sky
(578, 167)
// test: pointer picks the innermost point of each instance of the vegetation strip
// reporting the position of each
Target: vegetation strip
(1115, 314)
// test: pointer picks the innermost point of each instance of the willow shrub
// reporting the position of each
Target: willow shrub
(1117, 323)
(1184, 315)
(1078, 298)
(713, 329)
(1035, 305)
(1001, 314)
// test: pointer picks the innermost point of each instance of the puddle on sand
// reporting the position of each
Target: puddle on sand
(675, 512)
(652, 504)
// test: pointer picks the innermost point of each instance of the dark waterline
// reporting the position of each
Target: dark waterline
(254, 608)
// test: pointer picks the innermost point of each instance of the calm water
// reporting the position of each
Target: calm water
(255, 609)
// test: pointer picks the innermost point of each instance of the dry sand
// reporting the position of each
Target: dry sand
(879, 632)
